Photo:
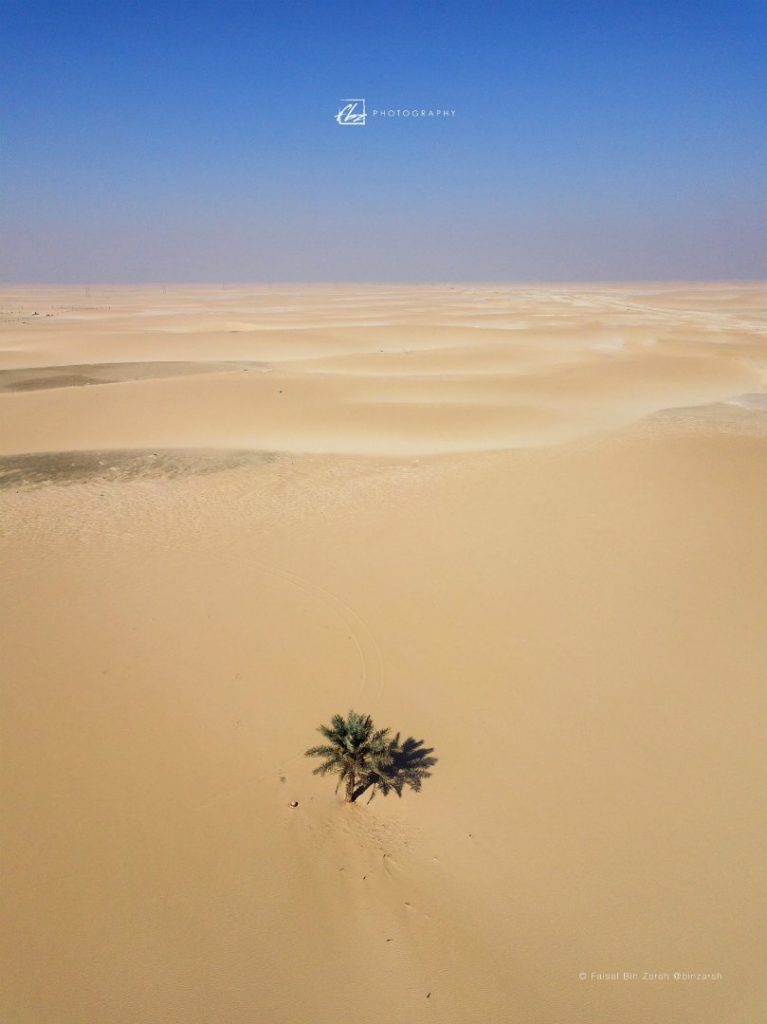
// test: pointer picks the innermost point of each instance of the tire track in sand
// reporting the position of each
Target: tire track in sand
(356, 627)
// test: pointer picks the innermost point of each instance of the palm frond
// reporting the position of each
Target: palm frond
(325, 751)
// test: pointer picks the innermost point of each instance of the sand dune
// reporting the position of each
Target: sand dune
(357, 386)
(520, 524)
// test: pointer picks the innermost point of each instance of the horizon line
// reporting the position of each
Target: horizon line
(446, 282)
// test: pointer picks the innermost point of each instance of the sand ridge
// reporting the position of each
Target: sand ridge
(306, 372)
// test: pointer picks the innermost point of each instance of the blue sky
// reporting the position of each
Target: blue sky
(164, 141)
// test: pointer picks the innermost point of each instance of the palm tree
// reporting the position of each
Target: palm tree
(355, 751)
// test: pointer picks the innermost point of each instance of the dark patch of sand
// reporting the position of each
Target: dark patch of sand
(40, 468)
(37, 378)
(743, 415)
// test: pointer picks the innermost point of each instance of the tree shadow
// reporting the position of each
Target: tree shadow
(410, 764)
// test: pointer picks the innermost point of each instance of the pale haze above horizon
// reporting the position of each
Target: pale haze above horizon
(171, 142)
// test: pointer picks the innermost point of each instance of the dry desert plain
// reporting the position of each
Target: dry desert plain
(520, 523)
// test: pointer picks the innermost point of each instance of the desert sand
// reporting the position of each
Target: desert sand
(520, 523)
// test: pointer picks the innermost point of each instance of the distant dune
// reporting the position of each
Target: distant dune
(401, 371)
(523, 524)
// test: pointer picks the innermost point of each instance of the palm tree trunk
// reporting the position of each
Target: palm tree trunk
(350, 787)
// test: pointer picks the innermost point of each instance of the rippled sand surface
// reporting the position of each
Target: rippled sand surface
(521, 524)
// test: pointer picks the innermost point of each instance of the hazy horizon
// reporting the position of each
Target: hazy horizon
(617, 283)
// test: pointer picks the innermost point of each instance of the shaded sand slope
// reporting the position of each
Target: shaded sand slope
(574, 626)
